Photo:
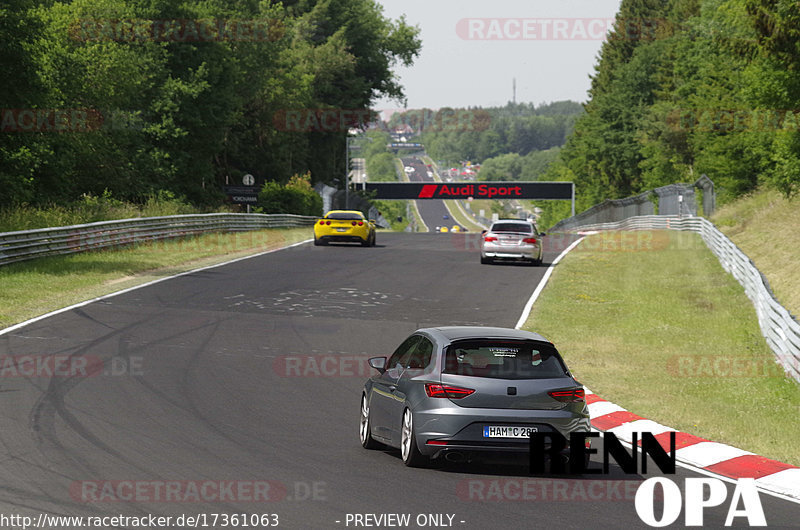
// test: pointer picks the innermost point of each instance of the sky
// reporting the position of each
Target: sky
(473, 49)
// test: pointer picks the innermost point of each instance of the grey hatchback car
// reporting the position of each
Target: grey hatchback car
(457, 392)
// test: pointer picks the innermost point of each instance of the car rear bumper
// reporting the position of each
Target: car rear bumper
(461, 429)
(529, 252)
(342, 239)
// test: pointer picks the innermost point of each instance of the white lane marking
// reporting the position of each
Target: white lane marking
(147, 284)
(419, 215)
(527, 311)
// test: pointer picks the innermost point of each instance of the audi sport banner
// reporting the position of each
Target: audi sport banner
(476, 190)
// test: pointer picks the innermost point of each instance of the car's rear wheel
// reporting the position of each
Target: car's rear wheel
(318, 242)
(365, 431)
(408, 443)
(486, 261)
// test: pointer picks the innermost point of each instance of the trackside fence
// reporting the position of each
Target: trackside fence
(30, 244)
(778, 325)
(674, 199)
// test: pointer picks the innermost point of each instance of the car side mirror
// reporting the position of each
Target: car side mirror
(542, 234)
(379, 363)
(372, 221)
(483, 231)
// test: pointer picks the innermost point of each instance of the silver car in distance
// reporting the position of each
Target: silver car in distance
(512, 239)
(458, 392)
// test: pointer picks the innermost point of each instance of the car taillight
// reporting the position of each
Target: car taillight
(573, 395)
(328, 223)
(446, 391)
(354, 223)
(361, 223)
(529, 240)
(321, 221)
(490, 238)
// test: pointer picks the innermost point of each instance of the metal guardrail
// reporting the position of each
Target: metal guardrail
(30, 244)
(674, 199)
(778, 325)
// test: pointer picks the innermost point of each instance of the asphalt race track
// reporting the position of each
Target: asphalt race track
(431, 210)
(207, 394)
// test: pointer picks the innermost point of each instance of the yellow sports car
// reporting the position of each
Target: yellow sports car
(345, 225)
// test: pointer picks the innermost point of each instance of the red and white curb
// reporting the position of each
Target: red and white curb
(713, 457)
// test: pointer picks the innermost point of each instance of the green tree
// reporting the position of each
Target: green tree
(295, 197)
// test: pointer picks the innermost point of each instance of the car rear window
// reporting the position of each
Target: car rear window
(344, 216)
(504, 359)
(512, 227)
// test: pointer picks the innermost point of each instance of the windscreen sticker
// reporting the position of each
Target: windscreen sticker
(504, 352)
(536, 358)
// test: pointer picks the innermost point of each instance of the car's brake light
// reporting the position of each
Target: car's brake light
(490, 238)
(328, 223)
(446, 391)
(353, 223)
(361, 223)
(573, 395)
(529, 240)
(322, 221)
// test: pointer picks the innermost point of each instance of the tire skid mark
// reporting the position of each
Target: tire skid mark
(52, 403)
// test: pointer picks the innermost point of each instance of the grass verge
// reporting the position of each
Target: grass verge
(462, 218)
(32, 288)
(764, 225)
(660, 329)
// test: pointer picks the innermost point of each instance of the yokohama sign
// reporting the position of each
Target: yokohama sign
(477, 190)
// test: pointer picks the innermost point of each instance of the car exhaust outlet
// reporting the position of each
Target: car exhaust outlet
(455, 457)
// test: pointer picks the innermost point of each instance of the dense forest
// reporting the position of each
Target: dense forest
(690, 87)
(137, 96)
(520, 128)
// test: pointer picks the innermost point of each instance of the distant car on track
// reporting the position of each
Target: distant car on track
(459, 392)
(512, 239)
(345, 226)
